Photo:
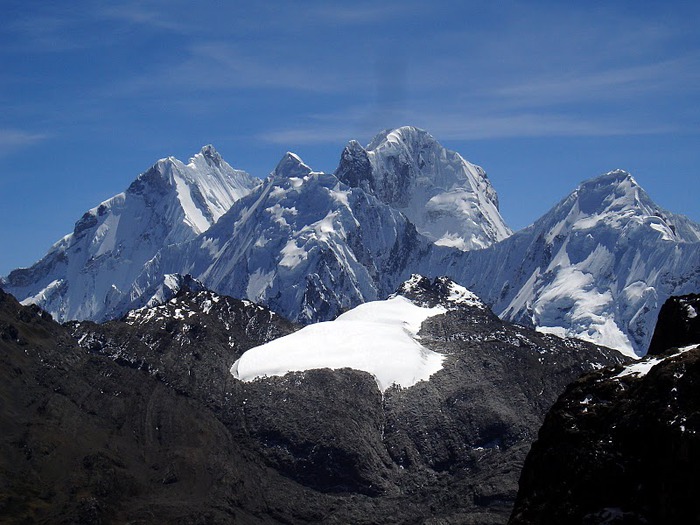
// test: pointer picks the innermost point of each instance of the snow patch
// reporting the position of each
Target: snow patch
(193, 215)
(642, 368)
(460, 295)
(378, 337)
(258, 282)
(292, 255)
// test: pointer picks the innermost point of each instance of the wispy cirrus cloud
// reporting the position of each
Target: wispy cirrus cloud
(676, 74)
(142, 15)
(463, 126)
(359, 14)
(222, 66)
(12, 140)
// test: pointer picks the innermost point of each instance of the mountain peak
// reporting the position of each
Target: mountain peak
(211, 155)
(448, 199)
(441, 291)
(89, 273)
(613, 192)
(613, 179)
(291, 165)
(401, 135)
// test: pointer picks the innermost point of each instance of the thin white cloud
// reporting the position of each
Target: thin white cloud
(308, 135)
(676, 74)
(459, 126)
(528, 125)
(12, 140)
(357, 14)
(221, 66)
(49, 32)
(139, 14)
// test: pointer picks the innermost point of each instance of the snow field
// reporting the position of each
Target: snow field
(378, 337)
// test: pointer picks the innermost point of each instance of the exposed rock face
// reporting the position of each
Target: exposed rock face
(678, 324)
(188, 342)
(140, 419)
(623, 445)
(87, 440)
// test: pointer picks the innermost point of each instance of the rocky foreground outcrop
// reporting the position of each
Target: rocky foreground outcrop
(622, 445)
(140, 420)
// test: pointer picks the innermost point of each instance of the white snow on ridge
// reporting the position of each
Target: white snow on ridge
(193, 215)
(461, 295)
(642, 368)
(379, 337)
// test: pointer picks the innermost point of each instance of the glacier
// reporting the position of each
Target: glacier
(379, 337)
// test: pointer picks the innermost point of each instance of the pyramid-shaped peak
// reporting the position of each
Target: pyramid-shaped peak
(404, 135)
(613, 191)
(210, 154)
(611, 178)
(291, 165)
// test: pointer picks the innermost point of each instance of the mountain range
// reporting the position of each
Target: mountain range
(312, 245)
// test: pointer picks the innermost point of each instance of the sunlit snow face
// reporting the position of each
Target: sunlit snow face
(379, 337)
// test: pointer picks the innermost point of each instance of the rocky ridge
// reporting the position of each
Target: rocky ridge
(621, 444)
(166, 434)
(598, 266)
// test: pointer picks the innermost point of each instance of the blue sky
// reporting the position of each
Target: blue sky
(541, 94)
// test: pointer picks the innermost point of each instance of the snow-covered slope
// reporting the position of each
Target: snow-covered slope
(303, 243)
(86, 274)
(598, 266)
(378, 337)
(450, 200)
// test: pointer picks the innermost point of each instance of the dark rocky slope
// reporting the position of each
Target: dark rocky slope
(678, 324)
(139, 420)
(623, 445)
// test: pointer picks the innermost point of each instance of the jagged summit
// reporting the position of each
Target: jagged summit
(615, 200)
(615, 191)
(450, 200)
(441, 291)
(210, 154)
(290, 166)
(190, 300)
(403, 135)
(597, 266)
(308, 247)
(158, 293)
(311, 245)
(88, 274)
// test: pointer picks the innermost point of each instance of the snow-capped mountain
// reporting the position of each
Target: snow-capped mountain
(85, 275)
(303, 243)
(312, 245)
(448, 199)
(598, 266)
